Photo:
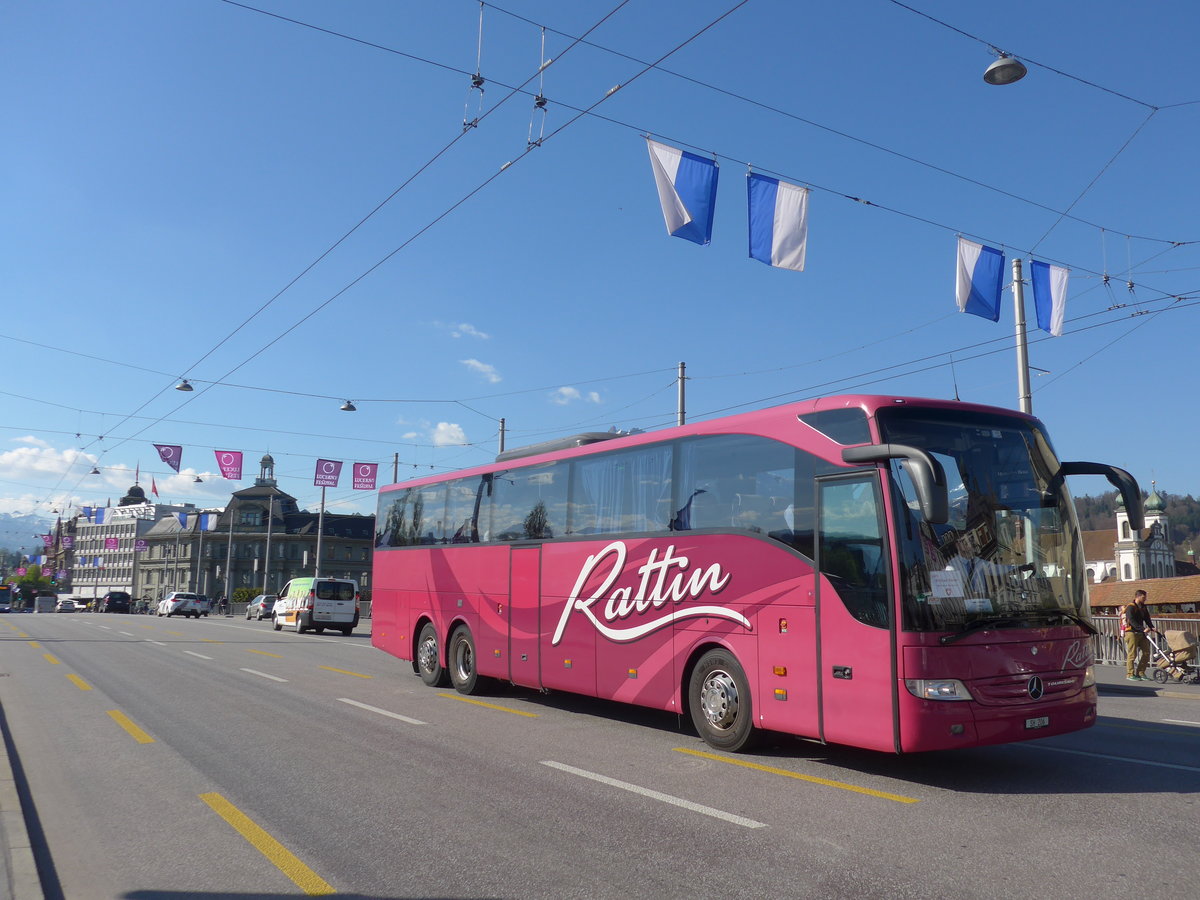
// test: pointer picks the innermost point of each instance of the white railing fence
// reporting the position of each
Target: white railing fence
(1110, 646)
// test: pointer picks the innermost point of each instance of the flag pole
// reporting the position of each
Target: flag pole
(320, 536)
(1024, 395)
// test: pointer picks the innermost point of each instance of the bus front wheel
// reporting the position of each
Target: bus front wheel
(719, 700)
(428, 663)
(462, 662)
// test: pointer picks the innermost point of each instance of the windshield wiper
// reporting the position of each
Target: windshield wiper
(1069, 616)
(979, 624)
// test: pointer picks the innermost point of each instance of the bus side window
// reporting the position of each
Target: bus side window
(851, 548)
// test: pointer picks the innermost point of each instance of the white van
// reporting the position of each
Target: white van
(317, 603)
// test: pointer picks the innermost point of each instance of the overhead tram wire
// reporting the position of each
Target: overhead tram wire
(449, 209)
(513, 92)
(826, 128)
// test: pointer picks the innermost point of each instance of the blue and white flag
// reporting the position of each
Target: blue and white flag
(687, 190)
(1049, 295)
(208, 521)
(182, 517)
(778, 221)
(98, 515)
(87, 512)
(980, 279)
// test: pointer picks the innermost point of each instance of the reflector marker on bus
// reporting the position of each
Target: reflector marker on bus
(883, 795)
(633, 673)
(780, 694)
(656, 795)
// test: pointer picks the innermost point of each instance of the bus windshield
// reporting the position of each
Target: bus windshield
(1010, 553)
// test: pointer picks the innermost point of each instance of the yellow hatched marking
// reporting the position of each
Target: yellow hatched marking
(264, 653)
(79, 683)
(22, 634)
(344, 672)
(124, 721)
(48, 657)
(35, 644)
(283, 859)
(210, 641)
(745, 764)
(515, 712)
(176, 633)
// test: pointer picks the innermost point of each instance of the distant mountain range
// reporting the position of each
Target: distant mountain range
(19, 531)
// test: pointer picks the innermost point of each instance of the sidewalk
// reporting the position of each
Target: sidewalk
(1111, 680)
(18, 870)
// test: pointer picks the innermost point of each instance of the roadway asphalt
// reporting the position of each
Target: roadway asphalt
(19, 878)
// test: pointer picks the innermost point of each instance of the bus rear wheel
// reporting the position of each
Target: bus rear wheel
(719, 701)
(428, 662)
(463, 675)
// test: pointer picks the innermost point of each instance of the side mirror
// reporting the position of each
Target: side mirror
(927, 475)
(1118, 478)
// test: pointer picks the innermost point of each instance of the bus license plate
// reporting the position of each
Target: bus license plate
(1039, 722)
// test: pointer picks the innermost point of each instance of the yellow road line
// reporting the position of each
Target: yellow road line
(746, 764)
(136, 733)
(50, 659)
(344, 672)
(264, 653)
(35, 644)
(176, 633)
(282, 858)
(211, 641)
(80, 683)
(515, 712)
(22, 634)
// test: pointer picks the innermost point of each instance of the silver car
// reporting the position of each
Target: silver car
(260, 607)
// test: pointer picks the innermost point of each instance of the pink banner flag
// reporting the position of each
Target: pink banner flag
(230, 462)
(68, 542)
(141, 545)
(110, 543)
(328, 473)
(364, 476)
(171, 454)
(48, 539)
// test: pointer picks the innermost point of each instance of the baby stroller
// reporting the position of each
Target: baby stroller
(1177, 661)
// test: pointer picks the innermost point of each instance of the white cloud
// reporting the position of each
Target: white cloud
(466, 328)
(487, 371)
(447, 434)
(565, 395)
(30, 439)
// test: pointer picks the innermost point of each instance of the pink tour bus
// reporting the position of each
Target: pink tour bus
(882, 572)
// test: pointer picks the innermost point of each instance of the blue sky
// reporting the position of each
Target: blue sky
(171, 168)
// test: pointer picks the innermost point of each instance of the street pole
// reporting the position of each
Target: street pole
(1024, 394)
(229, 556)
(681, 408)
(320, 536)
(267, 561)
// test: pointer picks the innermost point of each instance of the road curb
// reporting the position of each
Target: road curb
(22, 881)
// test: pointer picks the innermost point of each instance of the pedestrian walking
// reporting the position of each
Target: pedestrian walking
(1138, 623)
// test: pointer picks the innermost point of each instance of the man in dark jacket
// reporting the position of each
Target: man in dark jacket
(1137, 645)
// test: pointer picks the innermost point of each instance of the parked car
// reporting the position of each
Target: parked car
(115, 602)
(260, 607)
(65, 605)
(179, 603)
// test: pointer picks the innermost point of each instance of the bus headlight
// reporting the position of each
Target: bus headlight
(937, 689)
(1089, 677)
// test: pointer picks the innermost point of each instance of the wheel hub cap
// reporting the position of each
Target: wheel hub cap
(719, 699)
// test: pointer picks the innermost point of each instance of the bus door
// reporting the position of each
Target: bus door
(524, 602)
(856, 624)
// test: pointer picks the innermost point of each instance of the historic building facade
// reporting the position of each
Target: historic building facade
(1134, 555)
(260, 541)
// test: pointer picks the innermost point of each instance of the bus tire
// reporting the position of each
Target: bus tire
(428, 663)
(461, 657)
(720, 704)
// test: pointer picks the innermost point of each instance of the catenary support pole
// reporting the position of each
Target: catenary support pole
(1024, 394)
